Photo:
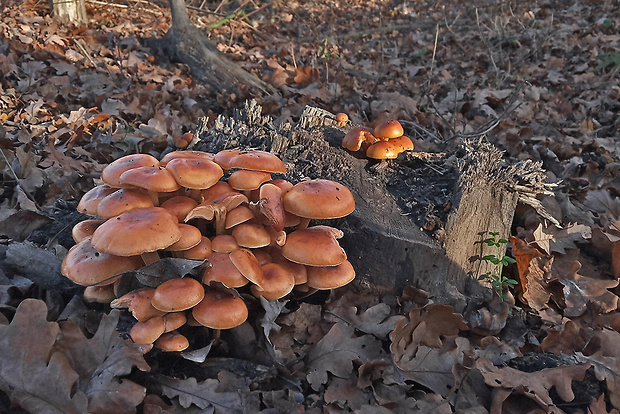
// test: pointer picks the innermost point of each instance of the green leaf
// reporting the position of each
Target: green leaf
(502, 241)
(509, 259)
(494, 233)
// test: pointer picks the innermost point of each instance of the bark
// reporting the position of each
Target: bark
(185, 43)
(383, 236)
(74, 10)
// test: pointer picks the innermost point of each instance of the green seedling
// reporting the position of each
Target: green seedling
(496, 279)
(324, 52)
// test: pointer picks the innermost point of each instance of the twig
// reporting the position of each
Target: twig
(430, 71)
(85, 53)
(486, 44)
(421, 129)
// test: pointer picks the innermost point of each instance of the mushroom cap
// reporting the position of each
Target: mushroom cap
(174, 320)
(342, 118)
(248, 179)
(90, 200)
(183, 140)
(224, 271)
(136, 232)
(389, 129)
(298, 270)
(251, 235)
(224, 243)
(190, 237)
(179, 206)
(257, 161)
(199, 251)
(138, 302)
(122, 200)
(99, 294)
(319, 199)
(314, 246)
(220, 310)
(245, 261)
(277, 282)
(219, 198)
(85, 228)
(177, 294)
(330, 277)
(238, 215)
(157, 179)
(86, 266)
(283, 184)
(185, 154)
(391, 148)
(148, 331)
(196, 173)
(112, 172)
(355, 137)
(223, 158)
(270, 205)
(171, 342)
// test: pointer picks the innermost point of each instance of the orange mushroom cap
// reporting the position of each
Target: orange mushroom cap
(122, 200)
(354, 139)
(389, 129)
(84, 265)
(136, 232)
(156, 179)
(90, 200)
(112, 172)
(389, 149)
(177, 294)
(171, 342)
(185, 154)
(319, 199)
(85, 228)
(220, 310)
(138, 302)
(257, 161)
(330, 277)
(195, 173)
(223, 270)
(199, 251)
(314, 246)
(277, 282)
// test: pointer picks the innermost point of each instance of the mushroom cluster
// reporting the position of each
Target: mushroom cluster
(250, 230)
(384, 142)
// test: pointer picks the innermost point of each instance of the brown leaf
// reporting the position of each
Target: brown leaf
(426, 326)
(345, 393)
(100, 361)
(534, 385)
(375, 320)
(202, 394)
(552, 239)
(531, 274)
(18, 226)
(571, 338)
(598, 406)
(336, 352)
(32, 379)
(580, 290)
(606, 369)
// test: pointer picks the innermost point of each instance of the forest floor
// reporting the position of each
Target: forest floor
(540, 80)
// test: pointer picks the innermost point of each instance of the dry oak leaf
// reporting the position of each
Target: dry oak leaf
(552, 239)
(336, 352)
(580, 290)
(202, 394)
(531, 274)
(426, 326)
(375, 320)
(99, 361)
(34, 379)
(534, 385)
(598, 406)
(571, 338)
(606, 369)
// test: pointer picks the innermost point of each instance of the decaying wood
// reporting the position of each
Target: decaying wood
(186, 43)
(383, 236)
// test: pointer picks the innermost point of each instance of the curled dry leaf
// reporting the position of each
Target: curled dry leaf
(426, 326)
(534, 385)
(571, 338)
(606, 369)
(580, 290)
(532, 273)
(204, 395)
(375, 320)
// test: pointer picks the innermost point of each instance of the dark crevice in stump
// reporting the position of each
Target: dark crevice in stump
(471, 191)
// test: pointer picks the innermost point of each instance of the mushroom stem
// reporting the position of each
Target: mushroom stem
(154, 197)
(220, 221)
(303, 223)
(150, 257)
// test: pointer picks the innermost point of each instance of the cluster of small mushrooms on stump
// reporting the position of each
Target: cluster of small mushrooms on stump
(384, 142)
(251, 230)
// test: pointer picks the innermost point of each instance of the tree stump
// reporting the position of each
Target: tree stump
(471, 190)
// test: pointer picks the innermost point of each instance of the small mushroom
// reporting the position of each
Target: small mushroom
(220, 310)
(341, 119)
(177, 294)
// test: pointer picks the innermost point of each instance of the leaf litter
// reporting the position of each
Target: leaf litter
(75, 98)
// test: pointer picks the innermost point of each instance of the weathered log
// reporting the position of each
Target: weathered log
(383, 237)
(186, 43)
